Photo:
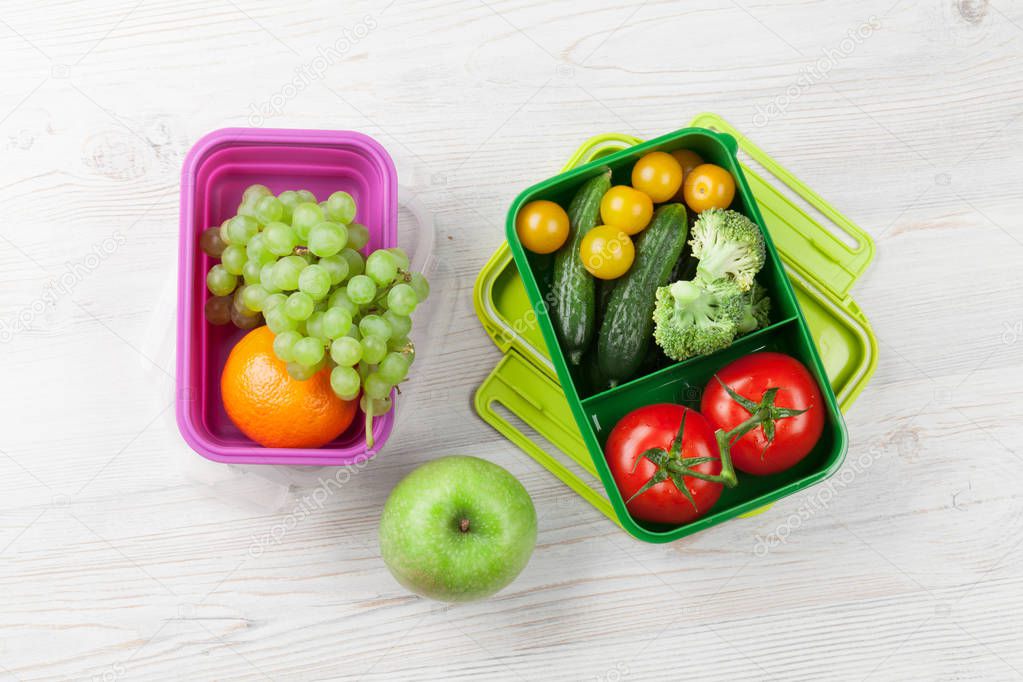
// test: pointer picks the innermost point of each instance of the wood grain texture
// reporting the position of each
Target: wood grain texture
(116, 564)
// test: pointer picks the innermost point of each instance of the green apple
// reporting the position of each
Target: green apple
(457, 529)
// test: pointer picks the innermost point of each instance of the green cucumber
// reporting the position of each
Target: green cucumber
(573, 292)
(627, 329)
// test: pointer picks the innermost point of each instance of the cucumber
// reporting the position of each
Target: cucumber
(573, 292)
(627, 329)
(604, 287)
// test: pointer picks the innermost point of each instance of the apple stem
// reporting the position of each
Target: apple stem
(463, 525)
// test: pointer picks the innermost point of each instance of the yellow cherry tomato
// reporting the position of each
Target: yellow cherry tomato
(708, 186)
(542, 226)
(626, 208)
(607, 252)
(658, 175)
(689, 160)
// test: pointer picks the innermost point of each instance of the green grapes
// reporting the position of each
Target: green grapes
(358, 236)
(327, 239)
(382, 267)
(341, 207)
(314, 280)
(361, 289)
(299, 306)
(295, 264)
(219, 281)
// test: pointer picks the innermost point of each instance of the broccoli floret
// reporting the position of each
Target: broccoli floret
(728, 244)
(697, 317)
(755, 309)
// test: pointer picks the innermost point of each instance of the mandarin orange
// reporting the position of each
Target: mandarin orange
(271, 407)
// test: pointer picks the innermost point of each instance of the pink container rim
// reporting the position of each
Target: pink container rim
(196, 435)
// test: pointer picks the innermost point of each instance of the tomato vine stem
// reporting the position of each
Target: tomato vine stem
(671, 465)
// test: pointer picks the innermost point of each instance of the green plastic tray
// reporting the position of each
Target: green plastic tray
(822, 263)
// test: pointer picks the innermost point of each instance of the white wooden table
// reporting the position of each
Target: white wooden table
(117, 562)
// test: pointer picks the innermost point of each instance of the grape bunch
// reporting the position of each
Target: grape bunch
(296, 264)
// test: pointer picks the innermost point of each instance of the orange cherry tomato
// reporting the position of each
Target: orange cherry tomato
(658, 175)
(626, 208)
(607, 252)
(708, 186)
(542, 226)
(689, 160)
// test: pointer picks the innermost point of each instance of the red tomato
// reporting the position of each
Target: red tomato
(751, 376)
(657, 426)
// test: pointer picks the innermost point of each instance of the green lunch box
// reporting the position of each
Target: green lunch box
(530, 396)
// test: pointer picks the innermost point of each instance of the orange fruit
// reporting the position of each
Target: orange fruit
(272, 408)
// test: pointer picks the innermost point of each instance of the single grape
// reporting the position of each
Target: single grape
(314, 326)
(420, 286)
(250, 272)
(299, 306)
(301, 372)
(308, 351)
(373, 349)
(401, 257)
(336, 266)
(361, 289)
(402, 299)
(280, 238)
(382, 267)
(287, 271)
(273, 300)
(375, 387)
(238, 306)
(253, 296)
(211, 243)
(305, 196)
(220, 282)
(223, 231)
(404, 345)
(373, 407)
(401, 325)
(266, 278)
(341, 207)
(289, 199)
(253, 193)
(315, 281)
(346, 351)
(241, 228)
(339, 299)
(336, 322)
(304, 217)
(356, 263)
(327, 239)
(345, 381)
(244, 319)
(278, 322)
(393, 368)
(233, 259)
(268, 209)
(374, 325)
(218, 310)
(256, 250)
(284, 345)
(358, 236)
